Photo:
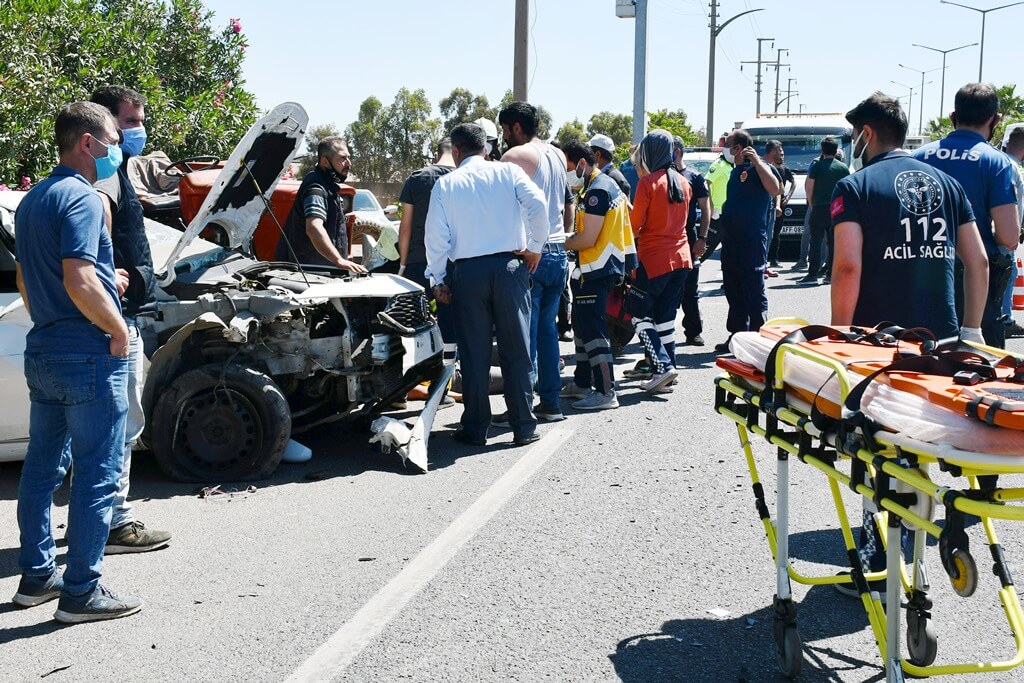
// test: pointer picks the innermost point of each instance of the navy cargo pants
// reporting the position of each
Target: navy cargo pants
(743, 283)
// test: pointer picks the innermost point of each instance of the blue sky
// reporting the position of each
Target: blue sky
(329, 55)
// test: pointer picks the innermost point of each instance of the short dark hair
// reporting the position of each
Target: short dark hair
(975, 103)
(77, 119)
(604, 154)
(469, 138)
(741, 137)
(331, 144)
(111, 97)
(678, 143)
(444, 147)
(829, 146)
(771, 146)
(575, 150)
(523, 113)
(1016, 136)
(885, 116)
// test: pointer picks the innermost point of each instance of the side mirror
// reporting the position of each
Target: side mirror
(391, 210)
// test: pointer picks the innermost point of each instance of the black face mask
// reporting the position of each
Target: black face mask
(333, 174)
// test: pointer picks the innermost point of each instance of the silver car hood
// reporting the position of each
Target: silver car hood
(361, 287)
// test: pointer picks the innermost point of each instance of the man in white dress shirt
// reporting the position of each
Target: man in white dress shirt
(476, 219)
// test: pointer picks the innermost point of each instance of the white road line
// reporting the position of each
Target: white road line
(348, 641)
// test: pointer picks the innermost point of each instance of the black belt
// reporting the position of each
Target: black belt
(553, 248)
(502, 254)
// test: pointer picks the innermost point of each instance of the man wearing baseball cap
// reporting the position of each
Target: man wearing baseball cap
(603, 148)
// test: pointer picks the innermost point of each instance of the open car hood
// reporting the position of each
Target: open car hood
(361, 287)
(237, 199)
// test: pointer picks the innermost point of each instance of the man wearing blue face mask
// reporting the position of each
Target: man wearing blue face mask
(76, 367)
(134, 278)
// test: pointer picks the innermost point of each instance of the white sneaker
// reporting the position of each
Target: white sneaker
(595, 400)
(573, 390)
(654, 384)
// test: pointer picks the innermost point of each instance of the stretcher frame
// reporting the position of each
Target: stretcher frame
(891, 471)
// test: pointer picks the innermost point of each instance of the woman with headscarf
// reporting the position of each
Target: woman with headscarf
(659, 224)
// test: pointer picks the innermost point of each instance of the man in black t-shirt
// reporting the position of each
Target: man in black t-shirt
(775, 155)
(412, 253)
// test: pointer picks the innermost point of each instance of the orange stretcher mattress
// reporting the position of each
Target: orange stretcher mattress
(1001, 395)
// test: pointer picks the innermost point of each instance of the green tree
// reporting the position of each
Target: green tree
(462, 106)
(571, 130)
(545, 122)
(938, 128)
(676, 122)
(409, 131)
(1011, 106)
(619, 127)
(366, 142)
(313, 137)
(57, 51)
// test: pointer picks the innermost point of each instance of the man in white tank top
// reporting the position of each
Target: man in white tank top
(545, 165)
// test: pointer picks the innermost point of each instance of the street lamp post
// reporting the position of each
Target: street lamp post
(715, 30)
(910, 100)
(942, 92)
(984, 14)
(920, 107)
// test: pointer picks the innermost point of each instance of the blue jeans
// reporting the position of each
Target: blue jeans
(1008, 295)
(548, 282)
(653, 303)
(135, 422)
(81, 398)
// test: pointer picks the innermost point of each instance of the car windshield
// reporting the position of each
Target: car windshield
(699, 165)
(802, 148)
(365, 201)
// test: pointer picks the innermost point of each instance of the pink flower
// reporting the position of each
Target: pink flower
(236, 25)
(25, 182)
(4, 188)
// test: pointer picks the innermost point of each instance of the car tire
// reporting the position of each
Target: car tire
(221, 423)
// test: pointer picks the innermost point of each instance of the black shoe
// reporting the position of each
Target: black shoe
(526, 439)
(722, 348)
(548, 413)
(1014, 330)
(565, 337)
(500, 420)
(810, 277)
(827, 280)
(695, 340)
(461, 436)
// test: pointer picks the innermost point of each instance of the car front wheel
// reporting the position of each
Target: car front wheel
(221, 423)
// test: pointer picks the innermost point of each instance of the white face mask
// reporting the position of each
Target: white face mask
(727, 153)
(858, 158)
(574, 178)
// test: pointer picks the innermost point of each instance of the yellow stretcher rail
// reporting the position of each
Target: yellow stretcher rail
(895, 459)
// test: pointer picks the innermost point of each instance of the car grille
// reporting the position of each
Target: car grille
(409, 311)
(794, 214)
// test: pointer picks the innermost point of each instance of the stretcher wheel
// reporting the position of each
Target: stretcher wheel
(790, 652)
(966, 581)
(922, 643)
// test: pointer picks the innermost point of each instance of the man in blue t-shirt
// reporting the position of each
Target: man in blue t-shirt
(987, 177)
(899, 225)
(753, 186)
(76, 366)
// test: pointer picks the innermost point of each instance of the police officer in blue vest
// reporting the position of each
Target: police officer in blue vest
(988, 177)
(899, 226)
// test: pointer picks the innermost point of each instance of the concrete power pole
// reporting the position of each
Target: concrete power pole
(521, 55)
(716, 29)
(778, 69)
(758, 81)
(640, 72)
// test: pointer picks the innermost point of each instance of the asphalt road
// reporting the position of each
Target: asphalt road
(596, 554)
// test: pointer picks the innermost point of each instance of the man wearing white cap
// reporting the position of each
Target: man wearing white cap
(604, 151)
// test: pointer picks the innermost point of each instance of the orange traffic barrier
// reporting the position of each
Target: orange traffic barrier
(1018, 288)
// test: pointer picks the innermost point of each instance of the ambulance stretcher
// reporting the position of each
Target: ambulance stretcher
(876, 411)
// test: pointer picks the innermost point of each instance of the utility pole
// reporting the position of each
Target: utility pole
(709, 131)
(920, 106)
(790, 93)
(910, 96)
(984, 15)
(757, 79)
(521, 54)
(942, 93)
(778, 69)
(640, 72)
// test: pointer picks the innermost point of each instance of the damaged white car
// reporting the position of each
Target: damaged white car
(245, 353)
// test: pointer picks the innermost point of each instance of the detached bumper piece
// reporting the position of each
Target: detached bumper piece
(411, 441)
